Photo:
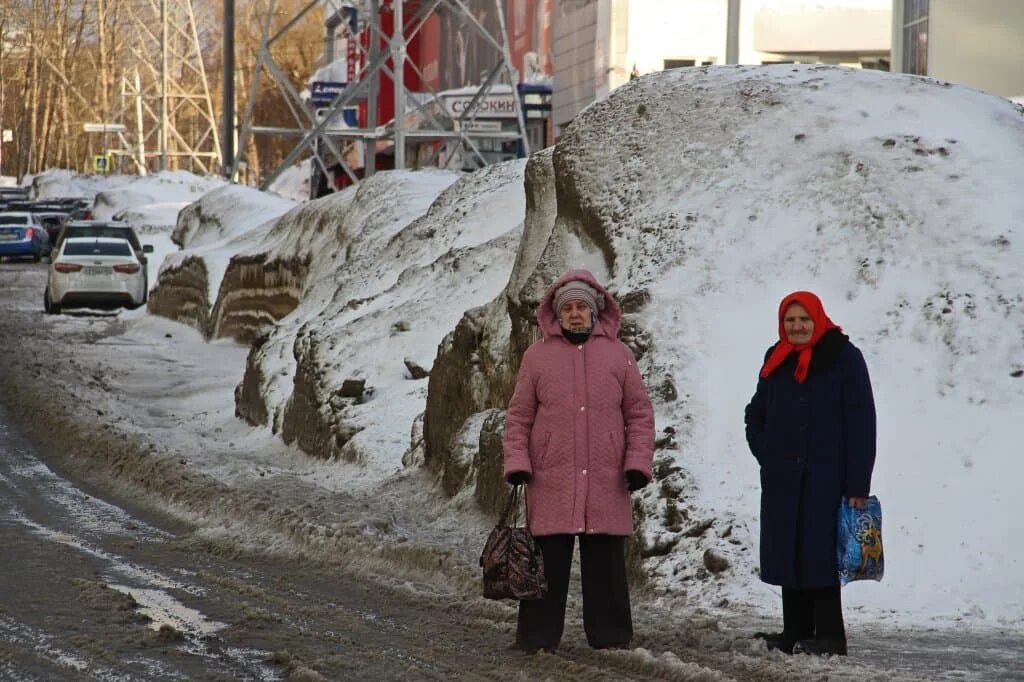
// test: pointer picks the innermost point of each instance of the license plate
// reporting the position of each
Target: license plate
(96, 270)
(8, 237)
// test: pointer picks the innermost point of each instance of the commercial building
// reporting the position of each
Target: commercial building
(599, 44)
(979, 43)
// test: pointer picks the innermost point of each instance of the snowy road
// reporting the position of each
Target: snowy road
(90, 591)
(145, 560)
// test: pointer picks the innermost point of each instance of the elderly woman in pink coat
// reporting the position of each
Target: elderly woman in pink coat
(579, 432)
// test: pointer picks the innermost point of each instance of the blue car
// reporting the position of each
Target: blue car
(22, 235)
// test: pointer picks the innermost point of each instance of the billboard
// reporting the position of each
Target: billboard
(467, 57)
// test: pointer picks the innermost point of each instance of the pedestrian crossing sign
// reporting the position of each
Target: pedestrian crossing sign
(100, 163)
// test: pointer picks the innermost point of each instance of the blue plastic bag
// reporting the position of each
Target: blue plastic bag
(860, 542)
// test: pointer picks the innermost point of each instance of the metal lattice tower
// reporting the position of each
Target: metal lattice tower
(166, 108)
(327, 146)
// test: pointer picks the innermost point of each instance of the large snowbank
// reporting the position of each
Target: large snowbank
(228, 220)
(383, 296)
(58, 182)
(154, 200)
(712, 192)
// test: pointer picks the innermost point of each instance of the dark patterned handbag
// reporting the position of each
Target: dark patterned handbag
(512, 561)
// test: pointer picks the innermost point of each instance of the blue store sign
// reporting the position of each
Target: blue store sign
(322, 93)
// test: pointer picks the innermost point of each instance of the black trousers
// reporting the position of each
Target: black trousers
(606, 614)
(815, 613)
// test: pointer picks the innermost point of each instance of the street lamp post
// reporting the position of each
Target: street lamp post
(732, 33)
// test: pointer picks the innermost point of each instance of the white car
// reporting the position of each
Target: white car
(95, 272)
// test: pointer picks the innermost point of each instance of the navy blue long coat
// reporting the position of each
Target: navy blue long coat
(815, 442)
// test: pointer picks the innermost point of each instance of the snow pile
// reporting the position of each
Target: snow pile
(343, 376)
(57, 183)
(264, 282)
(149, 203)
(223, 222)
(226, 214)
(293, 183)
(152, 202)
(892, 197)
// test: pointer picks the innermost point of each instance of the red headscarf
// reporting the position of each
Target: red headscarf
(812, 304)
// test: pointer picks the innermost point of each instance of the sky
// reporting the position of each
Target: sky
(894, 198)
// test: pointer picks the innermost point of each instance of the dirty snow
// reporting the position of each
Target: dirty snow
(894, 198)
(226, 221)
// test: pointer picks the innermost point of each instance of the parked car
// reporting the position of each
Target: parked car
(81, 213)
(108, 228)
(9, 195)
(52, 222)
(21, 235)
(94, 272)
(79, 208)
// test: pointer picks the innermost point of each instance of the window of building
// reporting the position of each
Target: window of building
(681, 63)
(915, 37)
(678, 63)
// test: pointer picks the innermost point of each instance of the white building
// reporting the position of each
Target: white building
(598, 43)
(977, 42)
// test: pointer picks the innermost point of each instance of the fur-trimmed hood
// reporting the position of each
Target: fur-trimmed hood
(608, 320)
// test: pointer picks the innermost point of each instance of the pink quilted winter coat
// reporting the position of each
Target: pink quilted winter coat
(578, 420)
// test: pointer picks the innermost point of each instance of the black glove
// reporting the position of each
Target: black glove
(636, 480)
(518, 477)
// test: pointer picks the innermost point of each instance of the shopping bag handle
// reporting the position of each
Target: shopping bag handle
(512, 506)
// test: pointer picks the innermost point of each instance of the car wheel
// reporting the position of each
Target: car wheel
(48, 306)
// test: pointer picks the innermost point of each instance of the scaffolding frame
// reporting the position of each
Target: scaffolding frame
(438, 125)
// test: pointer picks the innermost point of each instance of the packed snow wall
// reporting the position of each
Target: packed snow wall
(221, 236)
(345, 374)
(702, 196)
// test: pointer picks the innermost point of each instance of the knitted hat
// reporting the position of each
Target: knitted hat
(578, 291)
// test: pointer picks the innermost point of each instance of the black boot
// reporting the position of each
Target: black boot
(832, 646)
(829, 638)
(777, 641)
(530, 649)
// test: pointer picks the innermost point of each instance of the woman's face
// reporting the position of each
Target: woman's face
(797, 324)
(575, 316)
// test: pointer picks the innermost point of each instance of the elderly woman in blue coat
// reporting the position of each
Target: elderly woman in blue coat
(811, 427)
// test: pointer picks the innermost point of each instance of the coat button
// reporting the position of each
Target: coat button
(583, 408)
(579, 347)
(580, 530)
(584, 472)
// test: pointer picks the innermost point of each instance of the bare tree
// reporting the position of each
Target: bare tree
(64, 63)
